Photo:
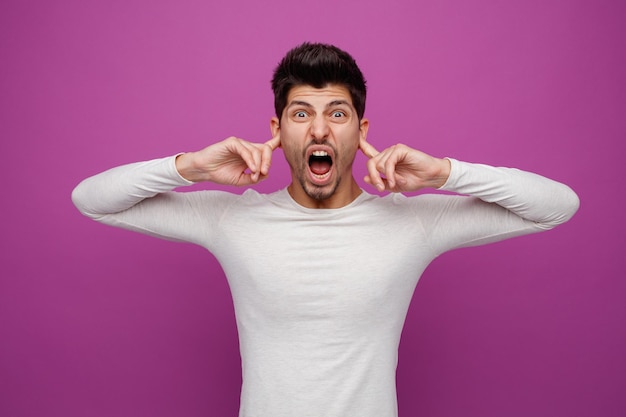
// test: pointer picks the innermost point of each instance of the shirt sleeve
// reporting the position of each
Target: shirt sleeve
(495, 203)
(140, 197)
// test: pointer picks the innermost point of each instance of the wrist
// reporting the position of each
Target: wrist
(186, 168)
(444, 167)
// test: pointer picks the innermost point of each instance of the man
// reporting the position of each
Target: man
(322, 273)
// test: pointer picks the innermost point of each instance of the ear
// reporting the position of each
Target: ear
(274, 126)
(363, 127)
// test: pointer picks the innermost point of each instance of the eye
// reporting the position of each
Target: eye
(338, 113)
(300, 114)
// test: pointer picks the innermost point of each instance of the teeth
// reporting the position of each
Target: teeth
(320, 153)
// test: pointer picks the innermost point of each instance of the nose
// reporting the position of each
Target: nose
(320, 128)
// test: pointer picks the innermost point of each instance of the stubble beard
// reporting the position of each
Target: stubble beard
(315, 192)
(318, 193)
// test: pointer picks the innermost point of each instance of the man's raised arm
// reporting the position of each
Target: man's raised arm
(232, 161)
(532, 197)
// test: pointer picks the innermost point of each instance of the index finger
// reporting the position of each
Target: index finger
(367, 149)
(266, 154)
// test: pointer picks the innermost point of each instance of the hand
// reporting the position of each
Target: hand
(232, 161)
(403, 169)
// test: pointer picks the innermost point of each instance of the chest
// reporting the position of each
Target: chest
(315, 269)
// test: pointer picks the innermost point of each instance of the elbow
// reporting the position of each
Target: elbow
(571, 204)
(79, 199)
(567, 204)
(575, 203)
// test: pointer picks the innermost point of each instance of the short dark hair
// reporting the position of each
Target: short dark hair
(318, 65)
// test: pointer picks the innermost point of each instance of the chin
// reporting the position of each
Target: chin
(320, 193)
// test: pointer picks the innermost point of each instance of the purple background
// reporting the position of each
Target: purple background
(96, 321)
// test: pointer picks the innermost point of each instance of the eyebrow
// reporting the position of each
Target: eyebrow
(338, 103)
(300, 103)
(329, 105)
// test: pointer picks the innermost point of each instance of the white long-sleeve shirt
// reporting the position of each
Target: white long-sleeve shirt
(321, 295)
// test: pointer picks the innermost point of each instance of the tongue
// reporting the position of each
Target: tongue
(319, 167)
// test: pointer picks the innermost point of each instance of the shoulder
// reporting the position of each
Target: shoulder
(421, 206)
(248, 200)
(410, 202)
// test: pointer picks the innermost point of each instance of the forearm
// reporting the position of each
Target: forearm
(545, 202)
(121, 188)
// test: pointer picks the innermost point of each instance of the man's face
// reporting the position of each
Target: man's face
(319, 133)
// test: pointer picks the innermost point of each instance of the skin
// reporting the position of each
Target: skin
(322, 120)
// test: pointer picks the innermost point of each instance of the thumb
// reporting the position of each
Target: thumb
(274, 142)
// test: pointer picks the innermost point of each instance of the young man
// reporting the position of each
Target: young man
(322, 273)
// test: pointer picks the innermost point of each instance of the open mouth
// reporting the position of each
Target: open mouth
(320, 163)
